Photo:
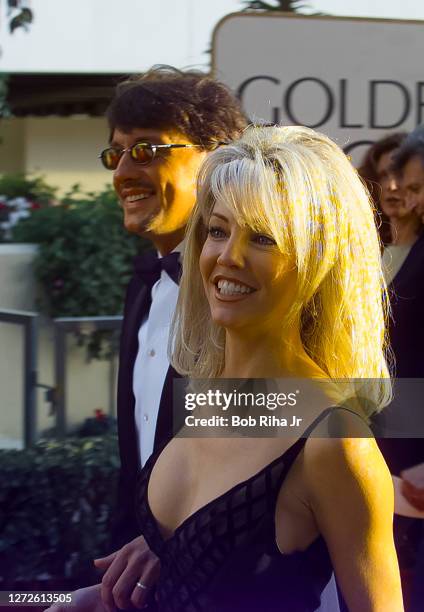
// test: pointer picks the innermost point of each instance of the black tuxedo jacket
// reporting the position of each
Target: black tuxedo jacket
(137, 305)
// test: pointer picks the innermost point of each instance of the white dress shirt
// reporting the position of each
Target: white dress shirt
(151, 364)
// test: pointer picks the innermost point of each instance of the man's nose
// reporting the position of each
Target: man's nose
(233, 252)
(126, 168)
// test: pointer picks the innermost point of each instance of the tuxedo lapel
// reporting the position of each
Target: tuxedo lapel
(164, 424)
(137, 305)
(136, 309)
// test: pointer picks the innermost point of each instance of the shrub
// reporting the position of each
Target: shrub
(56, 505)
(98, 425)
(85, 255)
(19, 196)
(34, 189)
(84, 261)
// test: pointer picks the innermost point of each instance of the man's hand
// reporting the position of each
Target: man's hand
(413, 495)
(128, 568)
(413, 485)
(83, 600)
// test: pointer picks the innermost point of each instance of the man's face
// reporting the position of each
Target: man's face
(157, 198)
(413, 185)
(392, 197)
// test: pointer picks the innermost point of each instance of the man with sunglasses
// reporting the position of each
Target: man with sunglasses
(162, 124)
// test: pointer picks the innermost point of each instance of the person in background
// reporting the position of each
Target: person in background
(401, 233)
(400, 227)
(408, 339)
(409, 161)
(383, 185)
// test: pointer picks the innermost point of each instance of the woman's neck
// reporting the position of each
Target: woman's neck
(404, 230)
(263, 355)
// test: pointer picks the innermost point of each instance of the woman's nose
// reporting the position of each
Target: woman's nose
(232, 253)
(393, 184)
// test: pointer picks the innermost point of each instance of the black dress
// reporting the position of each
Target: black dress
(224, 557)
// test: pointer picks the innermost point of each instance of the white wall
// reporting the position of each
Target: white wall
(87, 384)
(12, 145)
(63, 150)
(131, 35)
(112, 36)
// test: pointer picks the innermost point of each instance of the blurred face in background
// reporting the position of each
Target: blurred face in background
(392, 196)
(413, 185)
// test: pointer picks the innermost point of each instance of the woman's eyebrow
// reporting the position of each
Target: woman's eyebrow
(223, 217)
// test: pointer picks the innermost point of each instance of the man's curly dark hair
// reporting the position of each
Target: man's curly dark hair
(191, 102)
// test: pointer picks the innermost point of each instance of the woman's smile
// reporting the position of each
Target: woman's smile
(231, 289)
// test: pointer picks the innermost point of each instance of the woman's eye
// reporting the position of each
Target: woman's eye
(263, 240)
(216, 232)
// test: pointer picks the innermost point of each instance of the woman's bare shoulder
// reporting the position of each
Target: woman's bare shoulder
(352, 467)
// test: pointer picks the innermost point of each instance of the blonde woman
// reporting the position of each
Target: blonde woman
(281, 278)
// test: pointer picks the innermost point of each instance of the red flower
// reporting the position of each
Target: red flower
(99, 414)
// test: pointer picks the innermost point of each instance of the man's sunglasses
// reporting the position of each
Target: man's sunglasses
(142, 153)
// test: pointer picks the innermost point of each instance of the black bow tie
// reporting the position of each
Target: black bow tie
(149, 267)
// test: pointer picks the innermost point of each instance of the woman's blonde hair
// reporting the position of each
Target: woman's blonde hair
(297, 186)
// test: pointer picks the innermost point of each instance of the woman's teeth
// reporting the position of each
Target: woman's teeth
(228, 288)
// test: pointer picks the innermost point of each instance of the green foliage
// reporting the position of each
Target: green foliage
(56, 506)
(85, 255)
(22, 15)
(34, 189)
(4, 88)
(22, 20)
(99, 425)
(19, 16)
(288, 6)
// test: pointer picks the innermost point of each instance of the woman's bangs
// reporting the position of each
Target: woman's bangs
(250, 190)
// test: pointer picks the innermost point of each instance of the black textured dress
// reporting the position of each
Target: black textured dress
(224, 557)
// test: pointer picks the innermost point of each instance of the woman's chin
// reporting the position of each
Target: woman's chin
(226, 320)
(231, 321)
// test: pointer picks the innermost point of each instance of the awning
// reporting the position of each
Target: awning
(60, 94)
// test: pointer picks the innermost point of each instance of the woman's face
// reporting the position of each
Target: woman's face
(248, 282)
(392, 197)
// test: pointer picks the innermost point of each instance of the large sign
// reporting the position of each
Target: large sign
(353, 79)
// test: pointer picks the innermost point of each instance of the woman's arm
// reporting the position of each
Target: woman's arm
(351, 496)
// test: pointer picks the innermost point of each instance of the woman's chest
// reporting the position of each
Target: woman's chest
(193, 480)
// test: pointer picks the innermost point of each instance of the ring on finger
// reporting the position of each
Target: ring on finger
(142, 586)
